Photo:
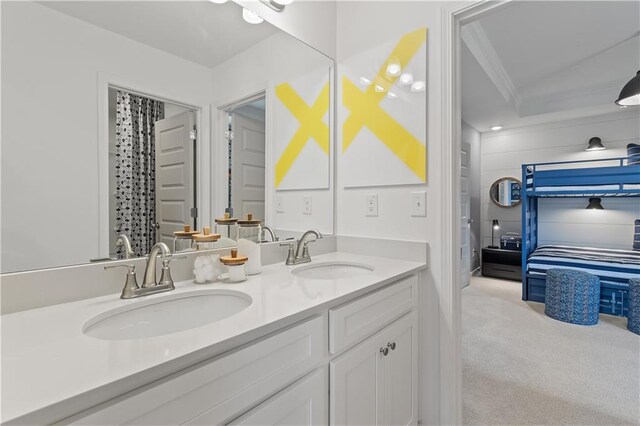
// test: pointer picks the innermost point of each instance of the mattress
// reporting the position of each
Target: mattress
(612, 266)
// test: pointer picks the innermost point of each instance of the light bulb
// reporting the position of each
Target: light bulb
(365, 81)
(251, 17)
(496, 128)
(379, 88)
(418, 86)
(391, 95)
(393, 70)
(406, 78)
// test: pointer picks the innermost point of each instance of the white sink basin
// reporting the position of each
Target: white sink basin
(332, 270)
(165, 315)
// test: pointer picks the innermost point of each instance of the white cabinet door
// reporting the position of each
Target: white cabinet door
(304, 403)
(401, 373)
(356, 379)
(371, 388)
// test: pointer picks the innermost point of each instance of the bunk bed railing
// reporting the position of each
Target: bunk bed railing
(576, 174)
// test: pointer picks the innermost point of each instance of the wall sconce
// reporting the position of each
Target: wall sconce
(595, 144)
(630, 94)
(595, 204)
(277, 5)
(494, 227)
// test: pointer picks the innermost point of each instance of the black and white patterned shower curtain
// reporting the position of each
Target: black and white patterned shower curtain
(136, 169)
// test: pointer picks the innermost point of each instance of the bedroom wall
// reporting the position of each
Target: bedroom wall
(562, 221)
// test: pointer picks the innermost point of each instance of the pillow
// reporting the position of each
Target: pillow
(636, 235)
(633, 152)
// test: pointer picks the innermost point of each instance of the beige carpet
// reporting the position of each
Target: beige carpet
(521, 367)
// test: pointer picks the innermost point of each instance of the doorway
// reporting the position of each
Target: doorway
(152, 170)
(246, 136)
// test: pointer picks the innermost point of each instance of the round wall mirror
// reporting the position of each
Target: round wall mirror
(506, 192)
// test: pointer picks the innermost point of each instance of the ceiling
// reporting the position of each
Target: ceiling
(199, 31)
(531, 62)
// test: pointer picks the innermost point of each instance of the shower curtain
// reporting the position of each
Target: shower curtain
(136, 170)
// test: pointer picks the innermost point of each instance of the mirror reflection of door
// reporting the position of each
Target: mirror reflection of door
(175, 175)
(151, 170)
(247, 160)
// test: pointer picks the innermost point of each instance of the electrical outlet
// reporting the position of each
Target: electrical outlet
(372, 205)
(419, 203)
(306, 204)
(279, 205)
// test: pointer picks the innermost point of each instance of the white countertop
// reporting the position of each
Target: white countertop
(51, 370)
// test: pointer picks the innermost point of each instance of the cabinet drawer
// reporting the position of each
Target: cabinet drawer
(302, 404)
(354, 321)
(224, 387)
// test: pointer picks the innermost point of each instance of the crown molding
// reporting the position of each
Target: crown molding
(481, 48)
(571, 99)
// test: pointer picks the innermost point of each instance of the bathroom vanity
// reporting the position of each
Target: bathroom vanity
(299, 346)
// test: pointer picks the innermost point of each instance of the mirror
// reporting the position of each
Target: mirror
(506, 192)
(140, 117)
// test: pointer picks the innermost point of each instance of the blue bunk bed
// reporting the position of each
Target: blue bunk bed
(611, 177)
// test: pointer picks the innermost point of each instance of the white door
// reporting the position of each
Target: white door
(356, 381)
(175, 183)
(302, 404)
(465, 221)
(247, 166)
(401, 373)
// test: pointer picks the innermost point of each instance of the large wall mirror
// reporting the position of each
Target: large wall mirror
(140, 117)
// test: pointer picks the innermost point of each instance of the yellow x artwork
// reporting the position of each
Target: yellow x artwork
(365, 109)
(311, 125)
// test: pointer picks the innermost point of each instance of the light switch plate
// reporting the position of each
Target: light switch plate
(419, 203)
(371, 205)
(306, 204)
(279, 205)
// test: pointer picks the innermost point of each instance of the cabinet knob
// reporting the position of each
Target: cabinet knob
(384, 351)
(392, 345)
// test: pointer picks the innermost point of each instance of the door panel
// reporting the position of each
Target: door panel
(247, 166)
(302, 404)
(401, 373)
(465, 210)
(356, 379)
(175, 182)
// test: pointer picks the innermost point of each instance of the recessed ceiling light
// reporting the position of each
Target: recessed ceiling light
(406, 78)
(379, 88)
(251, 17)
(393, 69)
(391, 95)
(365, 81)
(496, 128)
(418, 86)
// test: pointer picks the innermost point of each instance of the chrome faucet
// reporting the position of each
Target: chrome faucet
(301, 253)
(149, 285)
(271, 233)
(124, 241)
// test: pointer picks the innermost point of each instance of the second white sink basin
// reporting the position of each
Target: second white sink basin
(165, 315)
(332, 270)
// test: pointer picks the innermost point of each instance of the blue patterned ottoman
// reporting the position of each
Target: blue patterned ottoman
(572, 296)
(633, 323)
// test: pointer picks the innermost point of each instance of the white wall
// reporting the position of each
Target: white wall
(472, 137)
(362, 26)
(50, 73)
(276, 59)
(562, 221)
